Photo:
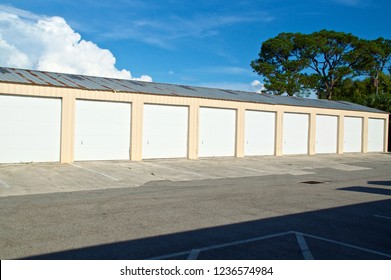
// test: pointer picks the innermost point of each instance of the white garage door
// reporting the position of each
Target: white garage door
(375, 135)
(102, 130)
(216, 132)
(326, 134)
(259, 133)
(295, 134)
(165, 131)
(352, 134)
(30, 129)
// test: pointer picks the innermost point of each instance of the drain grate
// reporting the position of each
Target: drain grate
(312, 182)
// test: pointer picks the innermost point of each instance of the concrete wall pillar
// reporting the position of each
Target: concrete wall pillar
(279, 132)
(312, 134)
(192, 147)
(340, 143)
(364, 135)
(68, 109)
(136, 137)
(240, 116)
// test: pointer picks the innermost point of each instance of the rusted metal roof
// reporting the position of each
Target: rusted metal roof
(43, 78)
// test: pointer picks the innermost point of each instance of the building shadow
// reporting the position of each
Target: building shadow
(372, 190)
(347, 232)
(382, 183)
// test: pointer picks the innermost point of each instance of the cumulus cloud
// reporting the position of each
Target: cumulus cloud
(257, 86)
(50, 44)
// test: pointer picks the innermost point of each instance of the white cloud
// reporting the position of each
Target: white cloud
(255, 86)
(44, 43)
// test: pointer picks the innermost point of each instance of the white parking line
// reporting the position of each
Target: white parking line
(346, 245)
(240, 242)
(383, 217)
(4, 184)
(169, 256)
(93, 171)
(304, 247)
(194, 254)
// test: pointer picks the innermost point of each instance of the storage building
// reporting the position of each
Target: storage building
(54, 117)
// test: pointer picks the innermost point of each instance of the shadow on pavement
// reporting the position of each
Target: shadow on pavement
(347, 232)
(381, 191)
(382, 183)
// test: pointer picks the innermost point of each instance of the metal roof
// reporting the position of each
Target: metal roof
(43, 78)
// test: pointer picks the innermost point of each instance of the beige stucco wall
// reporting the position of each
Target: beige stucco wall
(69, 97)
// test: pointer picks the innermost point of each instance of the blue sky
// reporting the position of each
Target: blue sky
(206, 43)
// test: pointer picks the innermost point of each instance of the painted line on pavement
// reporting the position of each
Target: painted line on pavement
(93, 171)
(4, 184)
(383, 217)
(345, 244)
(244, 241)
(194, 254)
(304, 247)
(169, 256)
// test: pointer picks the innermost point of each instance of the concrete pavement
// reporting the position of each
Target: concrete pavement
(39, 178)
(296, 207)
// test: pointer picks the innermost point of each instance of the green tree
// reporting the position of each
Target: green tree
(362, 92)
(334, 57)
(279, 62)
(380, 52)
(321, 61)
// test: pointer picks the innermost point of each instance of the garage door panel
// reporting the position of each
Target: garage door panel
(259, 133)
(217, 131)
(30, 129)
(295, 133)
(376, 135)
(352, 135)
(326, 134)
(165, 131)
(102, 130)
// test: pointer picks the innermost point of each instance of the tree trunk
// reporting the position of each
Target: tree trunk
(329, 94)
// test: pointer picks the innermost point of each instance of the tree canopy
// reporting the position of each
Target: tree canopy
(322, 61)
